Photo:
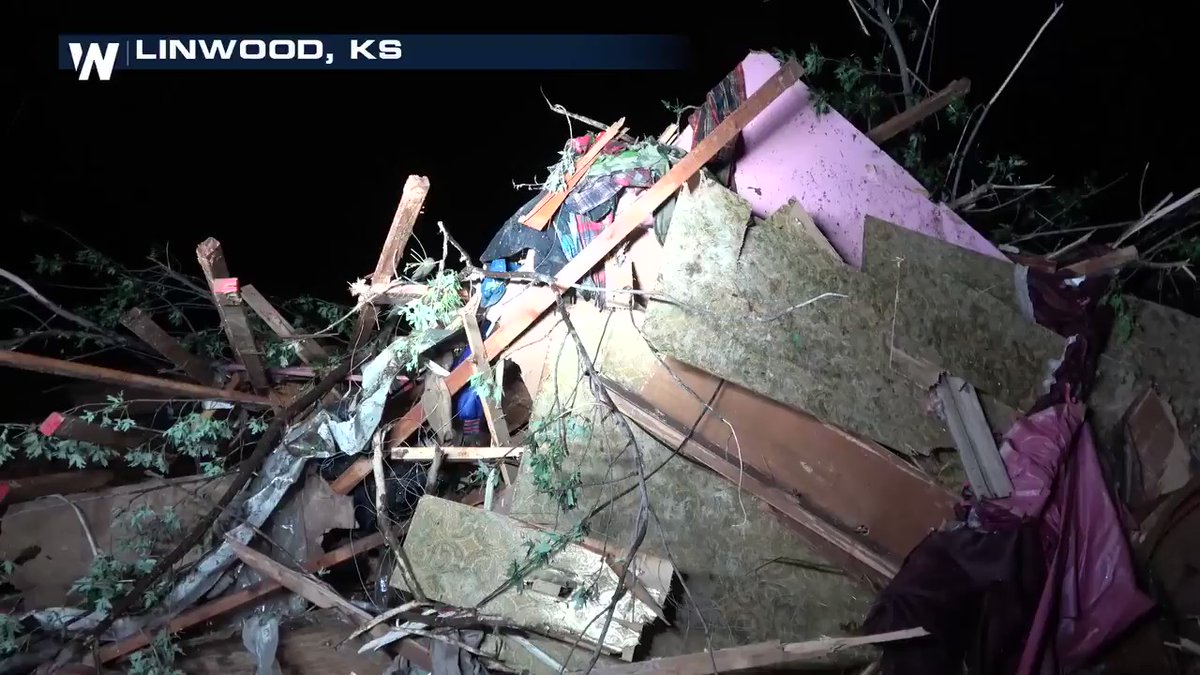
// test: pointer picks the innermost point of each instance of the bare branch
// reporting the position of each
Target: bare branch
(983, 115)
(48, 304)
(889, 29)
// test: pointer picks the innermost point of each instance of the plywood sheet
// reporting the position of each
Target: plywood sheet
(460, 554)
(829, 470)
(731, 284)
(956, 309)
(725, 542)
(51, 527)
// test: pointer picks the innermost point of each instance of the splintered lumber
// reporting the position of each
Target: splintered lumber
(405, 218)
(920, 111)
(140, 324)
(322, 595)
(415, 189)
(973, 436)
(1108, 262)
(672, 434)
(228, 603)
(59, 425)
(307, 349)
(535, 300)
(544, 210)
(497, 425)
(758, 656)
(456, 454)
(233, 314)
(120, 378)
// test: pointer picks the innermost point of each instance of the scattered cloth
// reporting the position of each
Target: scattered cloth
(724, 98)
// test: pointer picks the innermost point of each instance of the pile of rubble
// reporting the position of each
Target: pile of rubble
(734, 397)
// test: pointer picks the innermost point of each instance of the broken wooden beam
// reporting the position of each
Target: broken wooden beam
(306, 348)
(233, 315)
(405, 218)
(120, 378)
(322, 595)
(920, 111)
(140, 324)
(758, 657)
(457, 454)
(497, 426)
(59, 425)
(672, 434)
(1102, 264)
(392, 292)
(237, 599)
(30, 488)
(535, 300)
(972, 435)
(403, 221)
(548, 205)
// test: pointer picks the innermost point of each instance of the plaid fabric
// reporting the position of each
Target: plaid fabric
(718, 104)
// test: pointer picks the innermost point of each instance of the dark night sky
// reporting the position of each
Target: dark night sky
(298, 173)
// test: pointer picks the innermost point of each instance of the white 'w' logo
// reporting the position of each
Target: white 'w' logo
(101, 61)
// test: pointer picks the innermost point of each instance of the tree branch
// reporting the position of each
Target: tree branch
(983, 115)
(246, 471)
(50, 305)
(889, 29)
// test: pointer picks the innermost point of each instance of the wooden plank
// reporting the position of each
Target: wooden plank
(535, 300)
(59, 425)
(1113, 260)
(805, 456)
(403, 221)
(973, 437)
(232, 601)
(233, 314)
(307, 349)
(920, 111)
(457, 454)
(670, 433)
(497, 426)
(761, 655)
(140, 324)
(120, 378)
(308, 645)
(30, 488)
(322, 594)
(544, 210)
(413, 198)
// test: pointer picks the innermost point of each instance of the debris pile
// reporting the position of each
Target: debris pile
(704, 401)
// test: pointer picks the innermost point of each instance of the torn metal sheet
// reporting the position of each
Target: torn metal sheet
(352, 436)
(278, 473)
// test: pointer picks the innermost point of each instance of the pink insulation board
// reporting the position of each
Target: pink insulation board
(836, 173)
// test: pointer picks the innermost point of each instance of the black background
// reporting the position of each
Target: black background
(298, 174)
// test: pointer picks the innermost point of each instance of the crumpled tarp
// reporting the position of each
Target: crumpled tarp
(1091, 593)
(278, 473)
(1088, 593)
(353, 435)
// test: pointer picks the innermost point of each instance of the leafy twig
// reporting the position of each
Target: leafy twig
(246, 470)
